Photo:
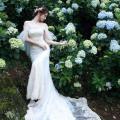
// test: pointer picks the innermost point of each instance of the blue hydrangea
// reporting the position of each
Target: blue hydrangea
(114, 46)
(101, 24)
(64, 10)
(111, 24)
(103, 14)
(102, 36)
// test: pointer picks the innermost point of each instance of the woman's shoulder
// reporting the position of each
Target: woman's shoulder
(27, 22)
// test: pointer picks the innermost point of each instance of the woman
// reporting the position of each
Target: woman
(45, 101)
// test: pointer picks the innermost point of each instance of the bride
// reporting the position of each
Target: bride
(45, 101)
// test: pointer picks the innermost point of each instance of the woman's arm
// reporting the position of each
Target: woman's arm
(27, 38)
(49, 41)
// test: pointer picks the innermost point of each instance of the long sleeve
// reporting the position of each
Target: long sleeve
(25, 31)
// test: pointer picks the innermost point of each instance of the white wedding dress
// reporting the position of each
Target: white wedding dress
(51, 104)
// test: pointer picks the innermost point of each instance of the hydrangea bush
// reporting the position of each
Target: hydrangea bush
(91, 29)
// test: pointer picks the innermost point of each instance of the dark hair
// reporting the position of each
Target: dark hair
(41, 10)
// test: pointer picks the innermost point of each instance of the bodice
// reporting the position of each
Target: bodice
(36, 33)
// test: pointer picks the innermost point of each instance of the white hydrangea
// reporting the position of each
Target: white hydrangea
(101, 24)
(12, 30)
(69, 10)
(75, 6)
(93, 36)
(60, 14)
(16, 43)
(113, 5)
(114, 46)
(108, 85)
(68, 63)
(95, 3)
(78, 60)
(72, 43)
(81, 53)
(103, 5)
(93, 50)
(2, 63)
(102, 36)
(60, 2)
(99, 89)
(70, 28)
(87, 43)
(64, 10)
(118, 81)
(1, 21)
(68, 1)
(77, 84)
(10, 115)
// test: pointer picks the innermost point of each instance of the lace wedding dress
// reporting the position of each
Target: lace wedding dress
(51, 104)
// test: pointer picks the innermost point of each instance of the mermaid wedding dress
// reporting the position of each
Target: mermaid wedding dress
(51, 104)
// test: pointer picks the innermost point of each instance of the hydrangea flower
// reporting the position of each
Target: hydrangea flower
(60, 14)
(12, 30)
(108, 85)
(58, 66)
(75, 6)
(93, 36)
(101, 23)
(113, 5)
(103, 5)
(93, 50)
(10, 115)
(68, 1)
(81, 53)
(72, 43)
(68, 63)
(70, 28)
(77, 84)
(87, 43)
(2, 63)
(69, 10)
(118, 81)
(102, 36)
(60, 2)
(111, 24)
(64, 10)
(1, 21)
(16, 43)
(78, 60)
(114, 46)
(95, 3)
(103, 14)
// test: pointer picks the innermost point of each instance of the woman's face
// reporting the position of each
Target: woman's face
(43, 17)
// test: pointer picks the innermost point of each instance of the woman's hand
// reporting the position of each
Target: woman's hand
(63, 42)
(44, 46)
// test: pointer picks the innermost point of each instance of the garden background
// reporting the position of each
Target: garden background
(89, 66)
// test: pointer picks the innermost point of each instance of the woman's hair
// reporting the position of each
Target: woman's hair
(41, 10)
